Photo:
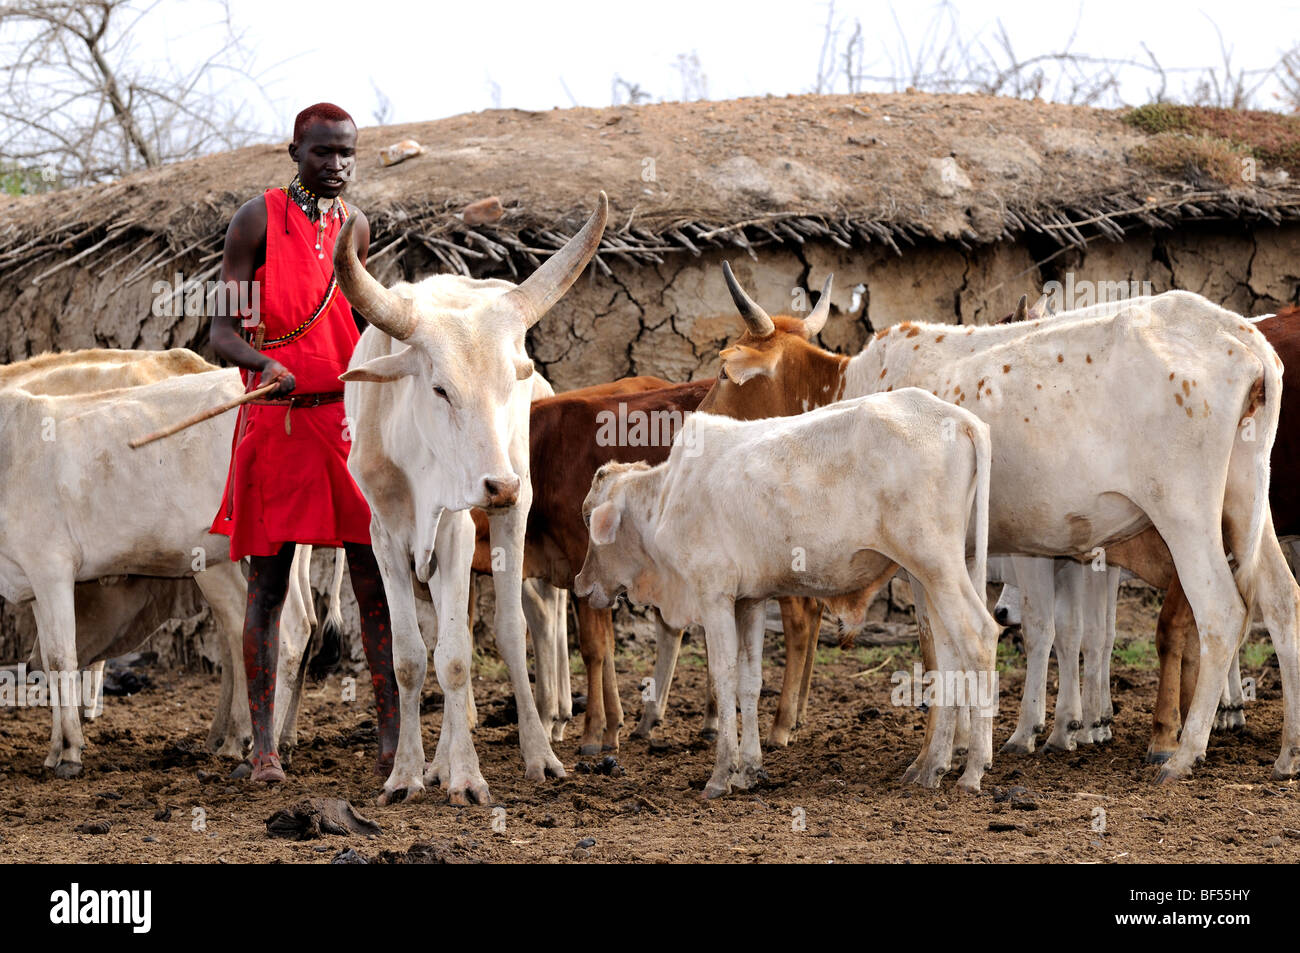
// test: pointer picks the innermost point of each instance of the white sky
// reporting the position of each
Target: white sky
(439, 59)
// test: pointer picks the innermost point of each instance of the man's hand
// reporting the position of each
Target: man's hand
(276, 372)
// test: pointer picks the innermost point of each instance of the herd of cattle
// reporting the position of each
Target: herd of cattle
(1044, 452)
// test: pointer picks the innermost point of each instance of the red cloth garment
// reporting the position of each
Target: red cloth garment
(295, 487)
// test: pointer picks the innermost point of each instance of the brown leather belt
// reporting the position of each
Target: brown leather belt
(302, 400)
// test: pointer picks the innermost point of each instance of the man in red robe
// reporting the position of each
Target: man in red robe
(288, 480)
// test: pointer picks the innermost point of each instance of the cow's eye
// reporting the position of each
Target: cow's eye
(441, 392)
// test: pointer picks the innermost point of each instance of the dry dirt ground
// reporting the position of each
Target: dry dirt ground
(841, 774)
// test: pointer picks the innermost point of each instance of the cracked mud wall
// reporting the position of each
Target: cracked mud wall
(671, 320)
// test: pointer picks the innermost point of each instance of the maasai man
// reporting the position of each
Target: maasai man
(289, 481)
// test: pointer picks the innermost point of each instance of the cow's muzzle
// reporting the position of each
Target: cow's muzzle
(585, 588)
(501, 491)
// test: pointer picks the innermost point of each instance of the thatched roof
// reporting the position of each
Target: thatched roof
(681, 176)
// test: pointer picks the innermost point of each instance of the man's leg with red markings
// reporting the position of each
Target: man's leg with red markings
(268, 581)
(377, 640)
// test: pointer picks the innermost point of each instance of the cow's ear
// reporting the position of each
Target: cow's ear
(604, 523)
(1040, 308)
(382, 370)
(742, 363)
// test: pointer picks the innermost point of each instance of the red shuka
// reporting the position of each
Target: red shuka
(295, 486)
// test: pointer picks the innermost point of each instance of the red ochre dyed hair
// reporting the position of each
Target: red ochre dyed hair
(320, 111)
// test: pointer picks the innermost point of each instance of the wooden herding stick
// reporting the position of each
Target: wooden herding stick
(198, 418)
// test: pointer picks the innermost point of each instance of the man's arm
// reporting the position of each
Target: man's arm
(245, 236)
(362, 231)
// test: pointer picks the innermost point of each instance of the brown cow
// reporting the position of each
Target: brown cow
(569, 438)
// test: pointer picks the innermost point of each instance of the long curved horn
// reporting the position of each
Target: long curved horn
(756, 319)
(545, 286)
(391, 313)
(817, 319)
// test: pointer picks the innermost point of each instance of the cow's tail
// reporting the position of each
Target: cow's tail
(330, 652)
(979, 435)
(334, 616)
(1264, 404)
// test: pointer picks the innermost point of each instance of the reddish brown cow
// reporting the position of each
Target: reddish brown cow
(566, 448)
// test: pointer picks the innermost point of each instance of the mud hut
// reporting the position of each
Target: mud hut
(942, 208)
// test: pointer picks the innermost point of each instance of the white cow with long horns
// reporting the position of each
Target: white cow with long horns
(439, 426)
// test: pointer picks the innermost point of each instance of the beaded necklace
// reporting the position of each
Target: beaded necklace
(316, 209)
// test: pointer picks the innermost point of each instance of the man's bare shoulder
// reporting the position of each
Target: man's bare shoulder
(251, 216)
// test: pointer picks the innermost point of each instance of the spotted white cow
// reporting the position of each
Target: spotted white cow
(440, 426)
(816, 505)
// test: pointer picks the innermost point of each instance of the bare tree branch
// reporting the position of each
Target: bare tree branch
(78, 100)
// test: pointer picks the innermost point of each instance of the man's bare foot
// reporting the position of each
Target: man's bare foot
(267, 769)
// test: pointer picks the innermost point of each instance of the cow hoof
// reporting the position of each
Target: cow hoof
(402, 795)
(1158, 757)
(557, 732)
(1229, 719)
(286, 759)
(1054, 746)
(609, 747)
(968, 785)
(236, 748)
(67, 769)
(550, 767)
(1172, 775)
(241, 771)
(706, 734)
(1016, 746)
(747, 778)
(589, 749)
(912, 773)
(715, 789)
(1287, 764)
(471, 792)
